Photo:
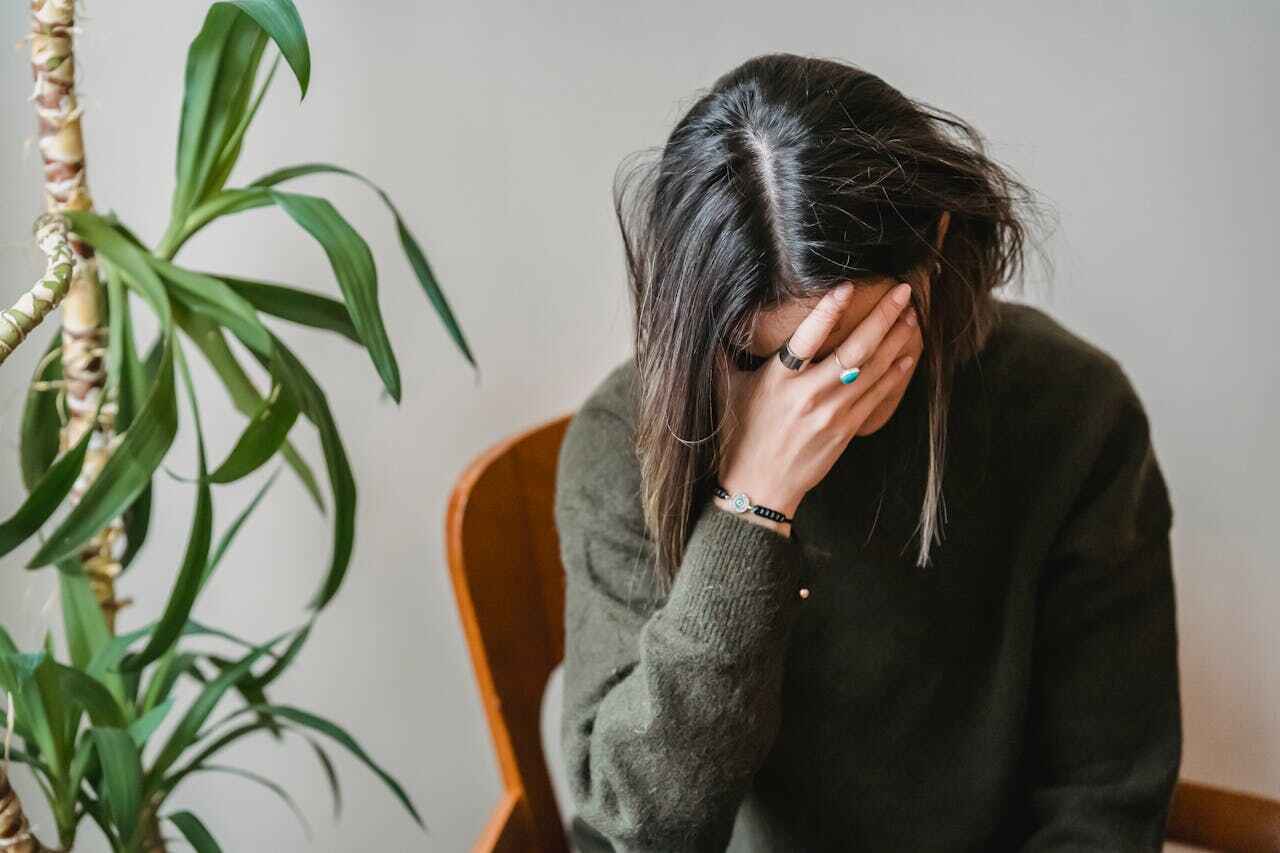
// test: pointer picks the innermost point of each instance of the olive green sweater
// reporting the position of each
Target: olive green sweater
(1021, 693)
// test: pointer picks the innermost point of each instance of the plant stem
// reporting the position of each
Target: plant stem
(28, 312)
(83, 335)
(15, 830)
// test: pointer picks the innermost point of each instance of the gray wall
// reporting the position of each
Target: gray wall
(497, 127)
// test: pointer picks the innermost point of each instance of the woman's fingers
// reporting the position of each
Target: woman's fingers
(884, 372)
(885, 384)
(859, 347)
(816, 327)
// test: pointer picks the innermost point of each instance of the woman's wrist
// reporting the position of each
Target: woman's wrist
(783, 528)
(761, 494)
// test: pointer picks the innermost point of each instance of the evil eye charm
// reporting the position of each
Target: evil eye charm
(741, 503)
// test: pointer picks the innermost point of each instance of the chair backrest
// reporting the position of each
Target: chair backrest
(1223, 819)
(504, 558)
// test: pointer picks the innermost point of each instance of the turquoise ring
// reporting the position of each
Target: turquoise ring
(847, 374)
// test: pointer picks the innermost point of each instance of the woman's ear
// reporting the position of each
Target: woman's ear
(934, 267)
(943, 222)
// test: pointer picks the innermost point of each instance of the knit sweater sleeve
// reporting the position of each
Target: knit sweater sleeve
(671, 702)
(1107, 732)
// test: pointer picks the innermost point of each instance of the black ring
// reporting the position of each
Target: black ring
(790, 359)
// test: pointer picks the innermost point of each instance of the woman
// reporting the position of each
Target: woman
(880, 658)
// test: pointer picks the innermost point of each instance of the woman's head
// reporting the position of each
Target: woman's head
(789, 176)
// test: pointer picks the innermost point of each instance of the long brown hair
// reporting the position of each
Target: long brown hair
(788, 176)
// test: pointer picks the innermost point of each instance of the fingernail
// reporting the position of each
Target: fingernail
(911, 316)
(902, 293)
(844, 291)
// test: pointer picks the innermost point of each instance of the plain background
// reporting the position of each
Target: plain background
(1149, 127)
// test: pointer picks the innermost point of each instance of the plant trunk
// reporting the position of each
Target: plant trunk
(15, 832)
(152, 838)
(84, 337)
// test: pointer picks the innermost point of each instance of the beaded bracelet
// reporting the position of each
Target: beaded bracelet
(742, 503)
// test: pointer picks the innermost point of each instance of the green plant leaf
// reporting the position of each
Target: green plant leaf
(216, 745)
(244, 394)
(121, 778)
(211, 297)
(119, 482)
(145, 726)
(82, 618)
(184, 734)
(195, 629)
(187, 584)
(115, 322)
(163, 676)
(265, 723)
(18, 677)
(108, 658)
(31, 761)
(17, 669)
(280, 20)
(40, 422)
(85, 767)
(330, 773)
(230, 152)
(195, 832)
(110, 655)
(265, 434)
(270, 785)
(252, 693)
(128, 471)
(408, 243)
(314, 310)
(323, 726)
(222, 203)
(283, 662)
(92, 696)
(221, 65)
(62, 714)
(45, 498)
(356, 272)
(314, 404)
(229, 535)
(133, 382)
(98, 811)
(137, 520)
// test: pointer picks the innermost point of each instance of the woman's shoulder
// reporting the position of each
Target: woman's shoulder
(1067, 403)
(1033, 355)
(597, 454)
(1071, 412)
(614, 392)
(607, 412)
(1029, 341)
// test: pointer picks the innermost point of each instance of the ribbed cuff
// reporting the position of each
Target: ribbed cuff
(738, 584)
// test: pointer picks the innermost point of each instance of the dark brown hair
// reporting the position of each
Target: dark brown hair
(788, 176)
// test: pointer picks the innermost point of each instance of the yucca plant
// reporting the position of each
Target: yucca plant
(101, 416)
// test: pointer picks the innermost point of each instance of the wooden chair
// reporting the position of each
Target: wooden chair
(504, 558)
